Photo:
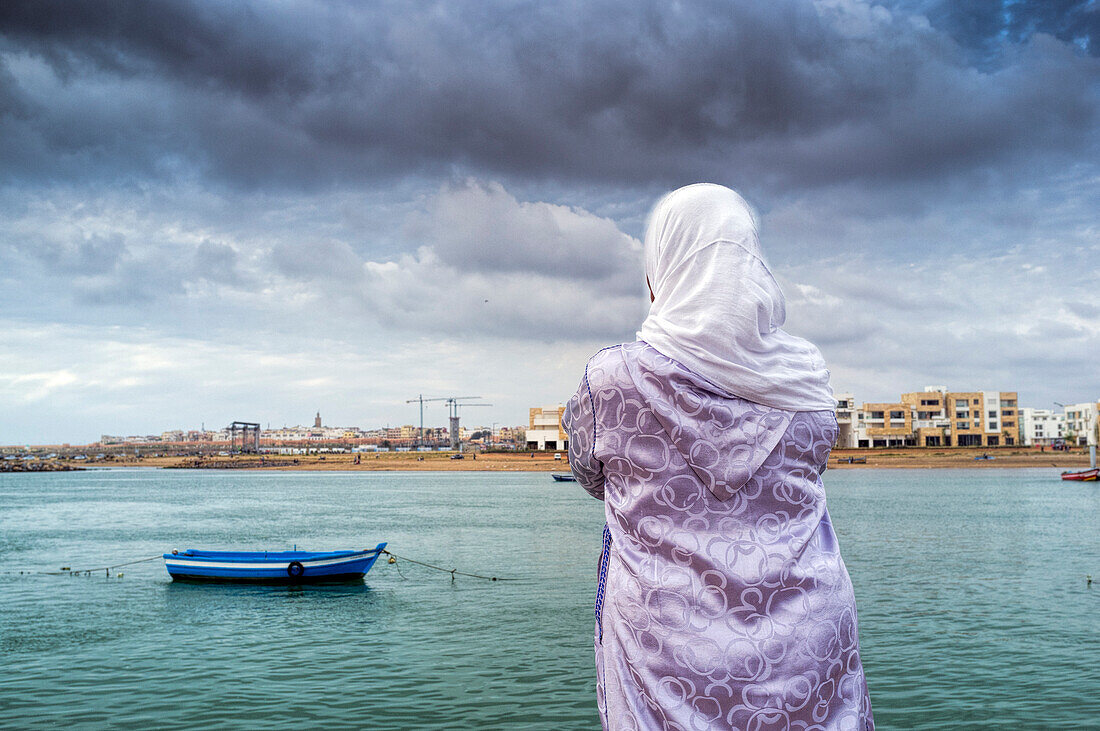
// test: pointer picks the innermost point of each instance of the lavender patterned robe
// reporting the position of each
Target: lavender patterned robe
(725, 603)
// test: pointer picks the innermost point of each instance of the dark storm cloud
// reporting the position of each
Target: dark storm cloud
(785, 93)
(985, 26)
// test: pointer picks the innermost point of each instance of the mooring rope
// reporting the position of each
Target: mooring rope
(453, 572)
(73, 572)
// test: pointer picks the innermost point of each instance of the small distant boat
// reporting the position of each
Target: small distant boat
(272, 567)
(851, 460)
(983, 456)
(1083, 476)
(560, 477)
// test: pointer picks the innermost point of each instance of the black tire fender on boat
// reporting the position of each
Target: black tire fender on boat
(295, 569)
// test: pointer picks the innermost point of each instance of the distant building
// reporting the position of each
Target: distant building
(1041, 427)
(934, 417)
(510, 434)
(317, 421)
(847, 421)
(931, 426)
(994, 419)
(544, 429)
(888, 425)
(1081, 423)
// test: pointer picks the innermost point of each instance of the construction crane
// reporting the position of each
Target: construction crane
(420, 399)
(452, 411)
(455, 442)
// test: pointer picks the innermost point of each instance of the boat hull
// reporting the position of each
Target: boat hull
(563, 478)
(271, 567)
(1085, 476)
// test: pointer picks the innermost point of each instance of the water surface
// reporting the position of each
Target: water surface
(970, 583)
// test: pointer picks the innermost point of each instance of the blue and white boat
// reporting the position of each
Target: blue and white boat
(273, 567)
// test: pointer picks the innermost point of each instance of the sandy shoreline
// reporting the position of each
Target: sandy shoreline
(544, 462)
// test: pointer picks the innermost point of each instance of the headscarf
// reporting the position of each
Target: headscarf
(717, 309)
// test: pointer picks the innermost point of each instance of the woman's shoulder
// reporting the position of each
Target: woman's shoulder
(607, 367)
(633, 351)
(619, 366)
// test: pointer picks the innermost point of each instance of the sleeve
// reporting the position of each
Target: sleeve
(579, 423)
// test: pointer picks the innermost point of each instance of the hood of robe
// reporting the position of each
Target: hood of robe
(717, 309)
(723, 438)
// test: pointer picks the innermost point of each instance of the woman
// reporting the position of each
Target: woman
(722, 599)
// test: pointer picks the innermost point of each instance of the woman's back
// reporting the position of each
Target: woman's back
(725, 602)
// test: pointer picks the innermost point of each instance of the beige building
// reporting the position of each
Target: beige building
(544, 429)
(930, 422)
(888, 425)
(934, 417)
(983, 418)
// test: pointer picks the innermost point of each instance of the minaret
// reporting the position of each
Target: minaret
(317, 421)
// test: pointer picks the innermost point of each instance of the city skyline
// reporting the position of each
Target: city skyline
(848, 405)
(252, 211)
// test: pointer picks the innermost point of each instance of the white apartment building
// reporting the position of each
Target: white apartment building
(1041, 427)
(1081, 422)
(848, 421)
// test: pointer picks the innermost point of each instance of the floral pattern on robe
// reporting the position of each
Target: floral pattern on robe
(726, 603)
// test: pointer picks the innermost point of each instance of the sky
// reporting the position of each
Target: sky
(256, 211)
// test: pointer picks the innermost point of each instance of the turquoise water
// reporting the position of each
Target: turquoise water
(971, 588)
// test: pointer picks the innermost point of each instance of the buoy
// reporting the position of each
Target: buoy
(392, 560)
(1088, 580)
(64, 568)
(119, 575)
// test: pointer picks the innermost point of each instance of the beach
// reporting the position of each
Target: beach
(545, 462)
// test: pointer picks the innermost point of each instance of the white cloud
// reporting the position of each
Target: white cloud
(495, 265)
(64, 383)
(992, 322)
(481, 227)
(201, 320)
(30, 387)
(181, 307)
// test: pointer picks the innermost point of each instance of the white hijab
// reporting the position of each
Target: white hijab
(718, 311)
